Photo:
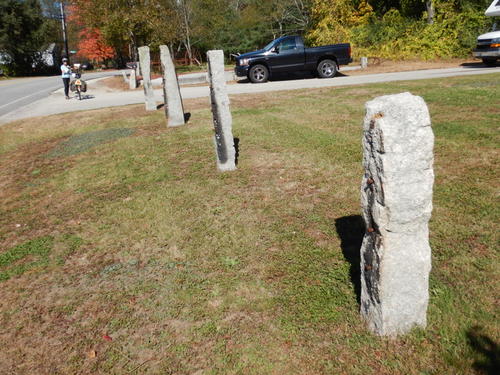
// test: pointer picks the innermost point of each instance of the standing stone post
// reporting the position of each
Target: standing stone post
(364, 62)
(124, 75)
(223, 122)
(174, 109)
(132, 83)
(149, 95)
(396, 197)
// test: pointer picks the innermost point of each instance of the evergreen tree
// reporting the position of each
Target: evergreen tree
(22, 28)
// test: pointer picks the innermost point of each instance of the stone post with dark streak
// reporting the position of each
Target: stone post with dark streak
(223, 138)
(173, 100)
(396, 197)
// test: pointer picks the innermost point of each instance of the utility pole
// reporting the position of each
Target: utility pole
(64, 31)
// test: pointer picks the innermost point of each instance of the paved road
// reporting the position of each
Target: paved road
(100, 98)
(16, 93)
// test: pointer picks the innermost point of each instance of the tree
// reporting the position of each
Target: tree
(130, 22)
(333, 20)
(93, 46)
(22, 27)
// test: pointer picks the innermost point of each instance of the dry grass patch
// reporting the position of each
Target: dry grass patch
(376, 65)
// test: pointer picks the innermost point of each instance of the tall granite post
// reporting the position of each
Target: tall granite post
(396, 197)
(174, 109)
(132, 83)
(364, 62)
(145, 62)
(223, 122)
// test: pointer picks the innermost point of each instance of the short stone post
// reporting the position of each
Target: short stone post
(364, 62)
(396, 197)
(124, 75)
(174, 109)
(145, 62)
(223, 138)
(132, 83)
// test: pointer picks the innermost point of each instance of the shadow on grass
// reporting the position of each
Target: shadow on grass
(488, 361)
(187, 115)
(351, 230)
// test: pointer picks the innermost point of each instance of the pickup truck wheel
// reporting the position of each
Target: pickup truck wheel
(327, 69)
(258, 74)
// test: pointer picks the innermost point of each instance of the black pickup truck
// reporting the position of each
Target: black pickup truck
(288, 54)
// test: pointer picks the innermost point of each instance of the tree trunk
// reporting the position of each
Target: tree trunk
(188, 38)
(133, 41)
(430, 11)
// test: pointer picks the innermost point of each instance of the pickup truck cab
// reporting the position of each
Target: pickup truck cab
(488, 45)
(288, 54)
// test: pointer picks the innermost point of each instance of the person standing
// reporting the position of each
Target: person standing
(66, 76)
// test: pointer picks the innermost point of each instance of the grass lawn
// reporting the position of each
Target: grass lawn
(123, 251)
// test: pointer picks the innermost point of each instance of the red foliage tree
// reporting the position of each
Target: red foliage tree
(93, 46)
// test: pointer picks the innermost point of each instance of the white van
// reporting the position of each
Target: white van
(488, 45)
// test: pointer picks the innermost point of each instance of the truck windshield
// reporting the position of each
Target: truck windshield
(270, 45)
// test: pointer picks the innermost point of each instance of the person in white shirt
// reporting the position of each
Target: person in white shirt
(66, 76)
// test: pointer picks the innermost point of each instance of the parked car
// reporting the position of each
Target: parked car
(488, 45)
(288, 54)
(131, 65)
(87, 66)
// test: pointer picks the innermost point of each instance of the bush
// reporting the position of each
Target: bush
(453, 34)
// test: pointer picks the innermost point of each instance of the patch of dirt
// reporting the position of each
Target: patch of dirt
(115, 83)
(376, 65)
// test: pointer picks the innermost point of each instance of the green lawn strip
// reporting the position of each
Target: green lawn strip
(36, 253)
(37, 249)
(251, 272)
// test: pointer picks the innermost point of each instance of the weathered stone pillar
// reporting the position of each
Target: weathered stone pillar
(174, 109)
(145, 62)
(396, 197)
(223, 122)
(132, 83)
(364, 62)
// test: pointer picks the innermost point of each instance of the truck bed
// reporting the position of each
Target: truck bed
(339, 51)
